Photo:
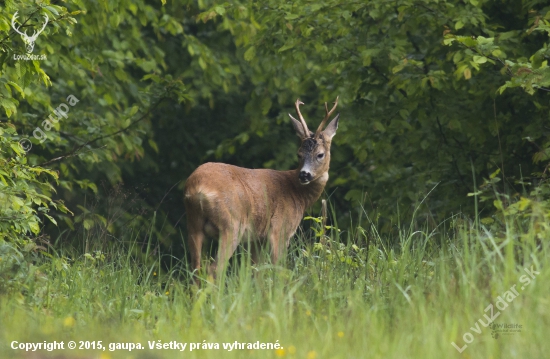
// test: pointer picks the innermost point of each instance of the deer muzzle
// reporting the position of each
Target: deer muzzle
(305, 176)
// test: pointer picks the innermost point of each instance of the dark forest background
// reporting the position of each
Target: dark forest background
(449, 98)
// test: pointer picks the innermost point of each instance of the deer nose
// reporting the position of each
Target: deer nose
(304, 176)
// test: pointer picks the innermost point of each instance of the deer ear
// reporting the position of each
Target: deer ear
(330, 130)
(298, 127)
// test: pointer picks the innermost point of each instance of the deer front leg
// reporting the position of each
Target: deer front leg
(277, 245)
(254, 249)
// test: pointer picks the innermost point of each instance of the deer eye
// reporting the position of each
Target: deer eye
(320, 155)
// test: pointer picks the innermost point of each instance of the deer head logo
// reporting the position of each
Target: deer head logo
(29, 40)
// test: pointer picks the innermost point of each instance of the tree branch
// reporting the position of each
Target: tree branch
(22, 25)
(75, 150)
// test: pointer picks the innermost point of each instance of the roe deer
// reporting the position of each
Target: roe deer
(229, 202)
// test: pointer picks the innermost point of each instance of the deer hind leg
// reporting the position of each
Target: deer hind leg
(228, 242)
(194, 241)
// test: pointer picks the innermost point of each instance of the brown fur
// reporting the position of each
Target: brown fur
(229, 202)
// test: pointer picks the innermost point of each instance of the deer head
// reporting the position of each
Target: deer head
(314, 152)
(29, 40)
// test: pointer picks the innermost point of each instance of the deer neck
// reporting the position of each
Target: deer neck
(310, 192)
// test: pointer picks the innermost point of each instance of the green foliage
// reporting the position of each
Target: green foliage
(528, 71)
(524, 209)
(94, 53)
(427, 88)
(417, 112)
(25, 191)
(25, 203)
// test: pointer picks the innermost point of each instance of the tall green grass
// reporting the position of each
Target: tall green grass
(358, 295)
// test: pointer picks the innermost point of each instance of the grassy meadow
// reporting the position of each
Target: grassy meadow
(356, 295)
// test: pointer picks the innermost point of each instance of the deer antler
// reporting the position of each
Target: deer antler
(13, 25)
(35, 34)
(327, 116)
(304, 125)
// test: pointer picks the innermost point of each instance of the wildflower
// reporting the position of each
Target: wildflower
(340, 334)
(311, 355)
(167, 292)
(308, 313)
(154, 273)
(291, 349)
(47, 327)
(69, 322)
(280, 352)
